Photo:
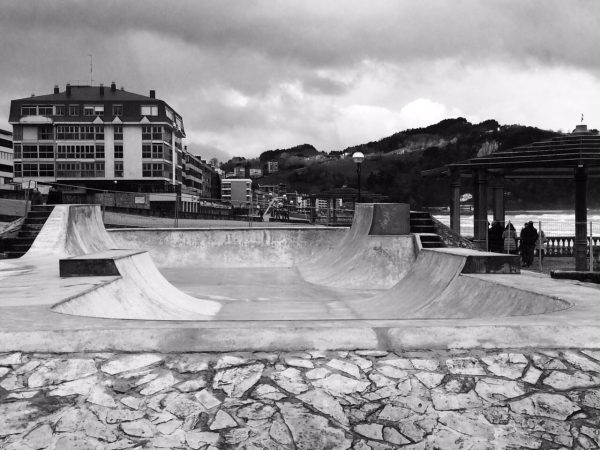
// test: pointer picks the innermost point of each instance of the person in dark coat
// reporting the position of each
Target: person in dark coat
(529, 236)
(36, 198)
(54, 196)
(495, 241)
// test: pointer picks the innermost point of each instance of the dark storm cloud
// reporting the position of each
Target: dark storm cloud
(343, 32)
(295, 66)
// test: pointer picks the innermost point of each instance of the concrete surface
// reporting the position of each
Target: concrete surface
(447, 309)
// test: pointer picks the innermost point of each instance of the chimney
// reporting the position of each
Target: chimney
(113, 87)
(68, 90)
(56, 91)
(152, 93)
(101, 89)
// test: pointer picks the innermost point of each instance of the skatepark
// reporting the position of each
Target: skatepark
(326, 278)
(299, 337)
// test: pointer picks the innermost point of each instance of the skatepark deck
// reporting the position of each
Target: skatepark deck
(360, 288)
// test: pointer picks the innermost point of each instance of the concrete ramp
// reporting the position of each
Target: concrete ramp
(367, 272)
(71, 230)
(375, 253)
(141, 292)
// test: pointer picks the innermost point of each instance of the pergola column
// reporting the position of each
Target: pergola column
(480, 223)
(455, 201)
(581, 244)
(498, 198)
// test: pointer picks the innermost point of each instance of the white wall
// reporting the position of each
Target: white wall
(132, 151)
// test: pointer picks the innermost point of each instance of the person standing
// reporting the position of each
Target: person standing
(510, 238)
(529, 236)
(495, 237)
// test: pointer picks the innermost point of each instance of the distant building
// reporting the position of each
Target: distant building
(6, 157)
(256, 173)
(198, 176)
(271, 167)
(98, 137)
(275, 190)
(237, 191)
(240, 172)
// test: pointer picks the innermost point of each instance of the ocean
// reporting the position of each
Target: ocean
(553, 223)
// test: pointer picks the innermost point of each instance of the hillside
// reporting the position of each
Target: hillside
(393, 165)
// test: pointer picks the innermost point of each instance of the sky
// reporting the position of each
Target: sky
(251, 75)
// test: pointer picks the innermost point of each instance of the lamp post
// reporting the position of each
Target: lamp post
(358, 158)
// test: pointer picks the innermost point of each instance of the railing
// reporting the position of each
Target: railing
(563, 246)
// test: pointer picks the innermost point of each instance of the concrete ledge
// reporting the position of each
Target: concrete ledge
(99, 264)
(587, 276)
(485, 262)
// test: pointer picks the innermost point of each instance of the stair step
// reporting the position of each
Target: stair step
(34, 220)
(28, 233)
(39, 214)
(19, 240)
(14, 254)
(48, 208)
(419, 214)
(32, 227)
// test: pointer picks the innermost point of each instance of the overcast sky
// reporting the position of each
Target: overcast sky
(251, 75)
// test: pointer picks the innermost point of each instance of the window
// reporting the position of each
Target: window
(99, 169)
(93, 110)
(99, 129)
(17, 151)
(118, 169)
(149, 110)
(30, 152)
(17, 133)
(117, 110)
(146, 151)
(30, 170)
(18, 168)
(88, 110)
(46, 170)
(29, 110)
(157, 133)
(68, 170)
(152, 170)
(59, 110)
(87, 169)
(157, 151)
(169, 114)
(73, 110)
(99, 151)
(45, 133)
(118, 151)
(146, 133)
(147, 169)
(45, 110)
(46, 151)
(118, 132)
(86, 132)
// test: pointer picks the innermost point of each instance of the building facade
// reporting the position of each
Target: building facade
(98, 137)
(237, 191)
(6, 157)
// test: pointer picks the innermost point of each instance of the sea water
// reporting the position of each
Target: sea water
(553, 223)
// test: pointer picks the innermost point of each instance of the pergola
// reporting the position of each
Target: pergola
(575, 156)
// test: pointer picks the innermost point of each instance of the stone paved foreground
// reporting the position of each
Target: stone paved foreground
(309, 400)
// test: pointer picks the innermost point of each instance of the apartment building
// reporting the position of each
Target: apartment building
(200, 176)
(98, 137)
(6, 157)
(237, 191)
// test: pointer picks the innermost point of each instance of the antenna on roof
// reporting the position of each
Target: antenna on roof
(581, 117)
(91, 68)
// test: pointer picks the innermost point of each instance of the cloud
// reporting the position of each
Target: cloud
(273, 73)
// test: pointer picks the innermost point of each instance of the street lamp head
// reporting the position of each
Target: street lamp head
(358, 157)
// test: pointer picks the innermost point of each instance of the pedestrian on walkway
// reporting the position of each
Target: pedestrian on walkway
(495, 241)
(510, 239)
(529, 236)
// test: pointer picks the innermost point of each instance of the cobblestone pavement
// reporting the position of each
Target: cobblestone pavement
(310, 400)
